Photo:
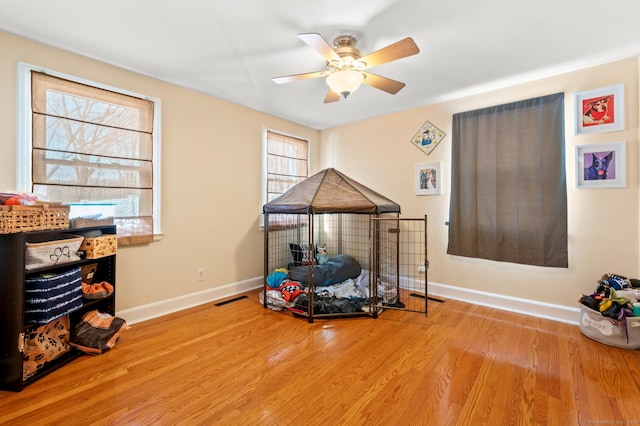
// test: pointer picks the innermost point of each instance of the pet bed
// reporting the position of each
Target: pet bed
(335, 270)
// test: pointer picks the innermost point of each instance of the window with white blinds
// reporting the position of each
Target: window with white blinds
(93, 145)
(287, 163)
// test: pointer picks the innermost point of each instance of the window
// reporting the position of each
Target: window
(81, 142)
(508, 183)
(285, 163)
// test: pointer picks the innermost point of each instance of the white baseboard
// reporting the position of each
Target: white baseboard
(492, 300)
(506, 303)
(169, 306)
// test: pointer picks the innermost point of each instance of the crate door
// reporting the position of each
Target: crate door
(399, 263)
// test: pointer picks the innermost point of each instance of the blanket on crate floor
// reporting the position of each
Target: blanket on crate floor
(350, 295)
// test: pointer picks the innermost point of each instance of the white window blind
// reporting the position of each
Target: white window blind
(287, 163)
(95, 146)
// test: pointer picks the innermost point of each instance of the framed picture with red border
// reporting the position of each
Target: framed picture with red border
(600, 110)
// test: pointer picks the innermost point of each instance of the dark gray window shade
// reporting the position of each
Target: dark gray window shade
(508, 183)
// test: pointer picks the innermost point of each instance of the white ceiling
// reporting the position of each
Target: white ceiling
(231, 49)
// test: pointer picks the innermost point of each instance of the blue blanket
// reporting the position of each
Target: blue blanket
(337, 269)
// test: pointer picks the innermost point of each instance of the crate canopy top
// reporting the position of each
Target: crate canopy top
(330, 191)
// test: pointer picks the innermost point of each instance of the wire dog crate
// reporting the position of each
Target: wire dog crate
(332, 248)
(391, 253)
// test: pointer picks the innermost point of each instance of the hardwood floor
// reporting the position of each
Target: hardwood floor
(240, 364)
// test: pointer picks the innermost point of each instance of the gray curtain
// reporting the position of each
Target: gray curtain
(508, 184)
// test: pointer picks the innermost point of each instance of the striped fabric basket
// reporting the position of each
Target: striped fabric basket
(51, 296)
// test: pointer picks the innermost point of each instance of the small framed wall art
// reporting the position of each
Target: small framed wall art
(601, 165)
(600, 110)
(427, 137)
(428, 179)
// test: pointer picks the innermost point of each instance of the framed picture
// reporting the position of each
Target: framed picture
(427, 137)
(600, 110)
(428, 179)
(601, 166)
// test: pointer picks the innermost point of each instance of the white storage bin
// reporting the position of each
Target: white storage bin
(622, 334)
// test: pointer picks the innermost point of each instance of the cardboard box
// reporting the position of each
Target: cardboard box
(97, 247)
(622, 334)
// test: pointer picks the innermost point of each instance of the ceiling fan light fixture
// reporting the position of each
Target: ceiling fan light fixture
(345, 82)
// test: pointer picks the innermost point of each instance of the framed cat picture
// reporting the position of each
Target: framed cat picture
(601, 165)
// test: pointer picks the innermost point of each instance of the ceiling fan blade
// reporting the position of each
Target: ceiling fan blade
(331, 97)
(296, 77)
(383, 83)
(395, 51)
(320, 45)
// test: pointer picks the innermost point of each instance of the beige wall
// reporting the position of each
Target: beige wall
(211, 183)
(603, 223)
(211, 178)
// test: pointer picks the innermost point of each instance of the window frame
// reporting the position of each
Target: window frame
(24, 149)
(265, 132)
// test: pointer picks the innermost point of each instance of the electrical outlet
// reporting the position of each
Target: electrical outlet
(422, 267)
(200, 274)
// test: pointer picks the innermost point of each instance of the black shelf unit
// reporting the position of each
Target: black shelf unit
(12, 295)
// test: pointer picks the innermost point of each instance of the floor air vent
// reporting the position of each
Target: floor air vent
(226, 302)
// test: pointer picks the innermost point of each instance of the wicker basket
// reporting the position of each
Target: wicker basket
(40, 217)
(97, 247)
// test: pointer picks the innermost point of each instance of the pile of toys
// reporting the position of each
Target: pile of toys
(611, 314)
(17, 199)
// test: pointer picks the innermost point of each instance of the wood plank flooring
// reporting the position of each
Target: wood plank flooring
(239, 364)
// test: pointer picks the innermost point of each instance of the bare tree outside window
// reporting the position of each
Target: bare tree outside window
(92, 145)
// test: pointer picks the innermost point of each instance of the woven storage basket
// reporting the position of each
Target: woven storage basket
(40, 217)
(97, 247)
(55, 216)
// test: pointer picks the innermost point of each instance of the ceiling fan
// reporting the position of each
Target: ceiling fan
(346, 66)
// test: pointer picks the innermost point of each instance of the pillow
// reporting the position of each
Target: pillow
(300, 254)
(337, 269)
(97, 332)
